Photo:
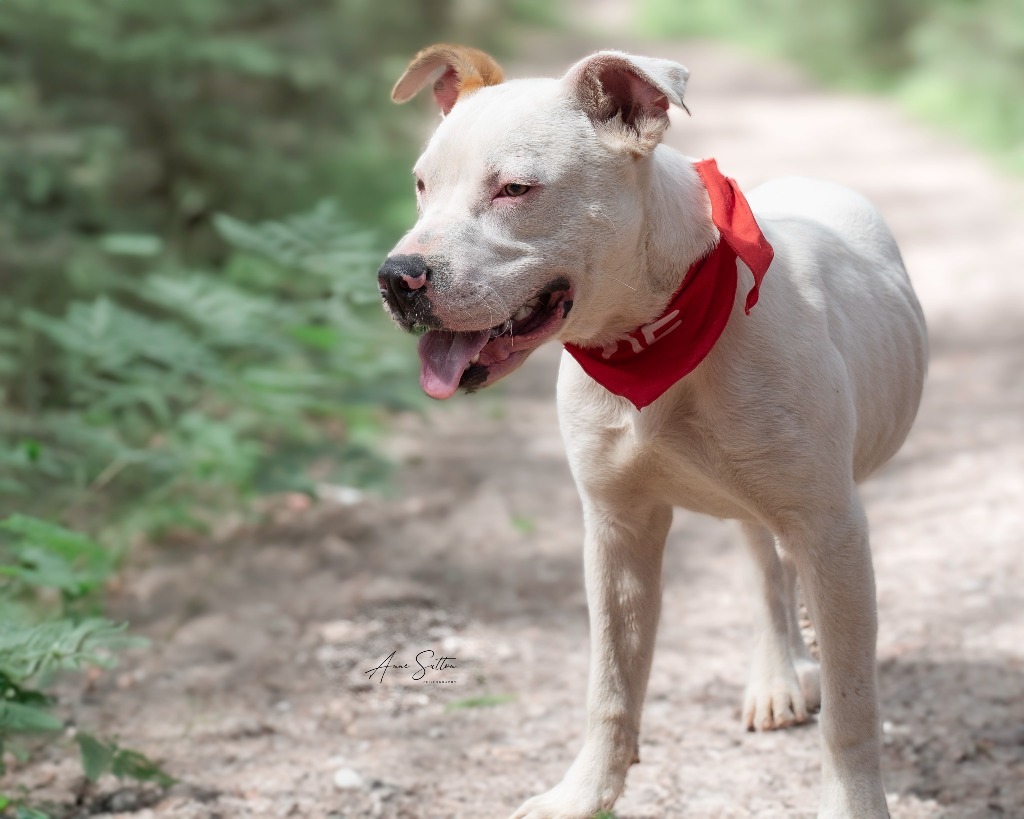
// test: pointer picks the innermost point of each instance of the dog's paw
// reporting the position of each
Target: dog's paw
(563, 802)
(594, 780)
(809, 674)
(771, 703)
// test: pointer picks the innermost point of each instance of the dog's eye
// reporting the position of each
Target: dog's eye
(514, 189)
(420, 186)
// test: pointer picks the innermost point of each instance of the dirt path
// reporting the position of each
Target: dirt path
(253, 690)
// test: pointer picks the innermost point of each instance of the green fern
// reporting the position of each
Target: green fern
(322, 241)
(35, 554)
(43, 555)
(100, 757)
(32, 650)
(186, 383)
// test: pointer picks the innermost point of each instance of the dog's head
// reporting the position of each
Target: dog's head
(531, 208)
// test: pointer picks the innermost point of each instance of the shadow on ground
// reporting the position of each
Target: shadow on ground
(954, 734)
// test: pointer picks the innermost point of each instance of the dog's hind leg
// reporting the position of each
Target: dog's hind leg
(782, 688)
(834, 563)
(807, 669)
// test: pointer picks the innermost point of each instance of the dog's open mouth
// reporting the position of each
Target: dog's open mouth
(474, 359)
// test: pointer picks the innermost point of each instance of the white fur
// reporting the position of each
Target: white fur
(797, 402)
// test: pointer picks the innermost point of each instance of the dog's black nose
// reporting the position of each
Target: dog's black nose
(401, 281)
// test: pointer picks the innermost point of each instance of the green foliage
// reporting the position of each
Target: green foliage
(523, 524)
(29, 650)
(958, 62)
(132, 116)
(969, 72)
(485, 701)
(21, 718)
(176, 385)
(100, 757)
(36, 643)
(21, 810)
(47, 556)
(130, 123)
(160, 359)
(37, 555)
(154, 350)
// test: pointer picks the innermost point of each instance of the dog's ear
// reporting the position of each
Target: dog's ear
(629, 96)
(465, 70)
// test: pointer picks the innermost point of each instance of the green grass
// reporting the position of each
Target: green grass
(486, 701)
(524, 525)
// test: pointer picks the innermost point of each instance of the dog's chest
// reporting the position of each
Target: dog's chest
(689, 472)
(672, 459)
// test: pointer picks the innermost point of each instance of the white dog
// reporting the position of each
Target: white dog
(549, 209)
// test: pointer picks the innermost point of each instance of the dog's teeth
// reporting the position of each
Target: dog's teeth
(475, 359)
(522, 313)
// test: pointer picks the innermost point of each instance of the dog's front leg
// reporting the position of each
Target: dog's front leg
(622, 566)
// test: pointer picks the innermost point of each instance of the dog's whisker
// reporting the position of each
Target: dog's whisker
(486, 302)
(497, 296)
(620, 281)
(507, 325)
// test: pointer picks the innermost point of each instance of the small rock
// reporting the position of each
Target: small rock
(341, 495)
(383, 791)
(346, 779)
(123, 801)
(343, 631)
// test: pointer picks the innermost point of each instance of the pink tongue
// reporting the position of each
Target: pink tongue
(444, 357)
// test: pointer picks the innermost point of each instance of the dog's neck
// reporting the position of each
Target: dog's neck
(677, 231)
(677, 228)
(643, 364)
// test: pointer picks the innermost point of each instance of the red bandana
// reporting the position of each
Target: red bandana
(640, 365)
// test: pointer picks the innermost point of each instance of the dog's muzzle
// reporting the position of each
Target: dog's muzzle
(402, 282)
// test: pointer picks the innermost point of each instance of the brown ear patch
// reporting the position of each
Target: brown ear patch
(466, 70)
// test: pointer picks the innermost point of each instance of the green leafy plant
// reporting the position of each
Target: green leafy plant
(484, 701)
(20, 809)
(152, 349)
(183, 384)
(38, 641)
(43, 555)
(524, 525)
(160, 360)
(99, 758)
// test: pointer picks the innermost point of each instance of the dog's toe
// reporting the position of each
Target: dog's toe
(552, 805)
(570, 800)
(774, 704)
